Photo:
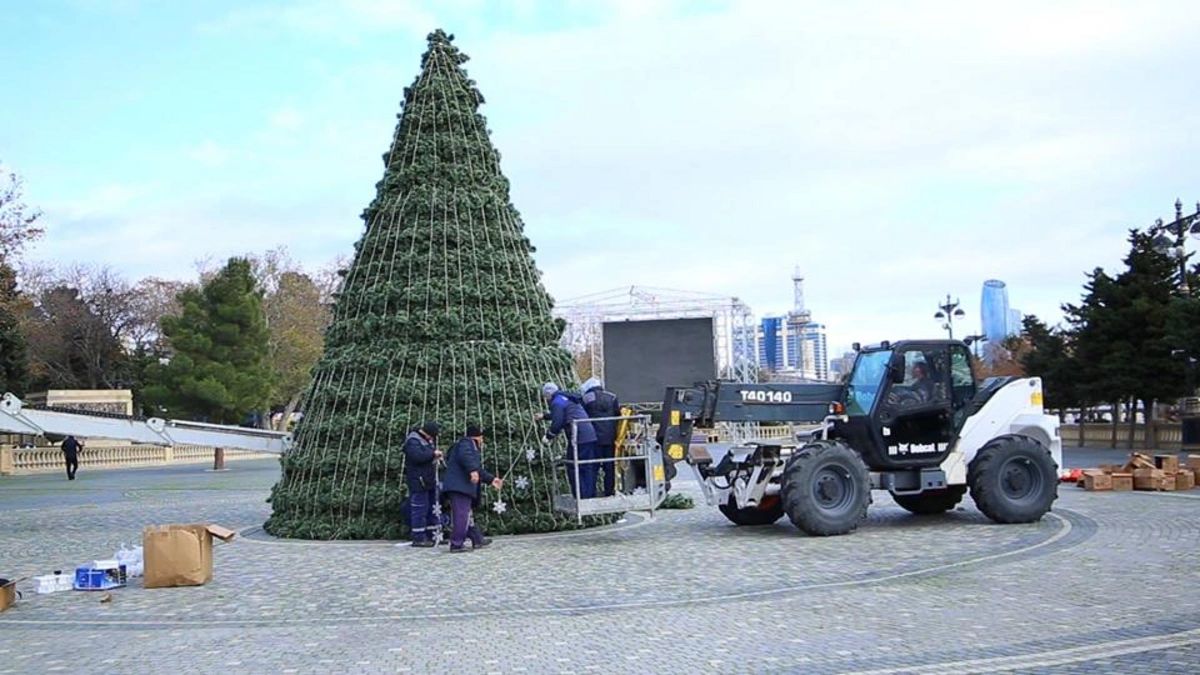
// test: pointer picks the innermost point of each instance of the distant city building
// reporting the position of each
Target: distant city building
(841, 366)
(793, 346)
(997, 319)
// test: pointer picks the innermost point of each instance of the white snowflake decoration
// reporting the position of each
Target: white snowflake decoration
(522, 482)
(639, 491)
(499, 506)
(437, 509)
(530, 454)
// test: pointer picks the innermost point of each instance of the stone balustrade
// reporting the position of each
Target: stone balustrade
(22, 461)
(1155, 436)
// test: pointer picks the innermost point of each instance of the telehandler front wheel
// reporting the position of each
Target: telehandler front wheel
(769, 511)
(825, 488)
(1013, 479)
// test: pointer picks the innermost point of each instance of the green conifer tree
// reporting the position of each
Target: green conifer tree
(218, 369)
(442, 317)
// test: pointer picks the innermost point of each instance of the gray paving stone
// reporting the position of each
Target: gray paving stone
(686, 592)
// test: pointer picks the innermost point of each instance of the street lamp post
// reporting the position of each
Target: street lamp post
(1179, 228)
(947, 313)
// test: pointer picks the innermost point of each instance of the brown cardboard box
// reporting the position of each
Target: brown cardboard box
(1096, 481)
(1148, 473)
(1138, 460)
(1168, 463)
(1193, 462)
(1122, 482)
(1112, 468)
(1160, 483)
(1185, 480)
(179, 555)
(8, 594)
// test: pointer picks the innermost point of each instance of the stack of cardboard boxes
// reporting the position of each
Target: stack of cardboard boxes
(1144, 472)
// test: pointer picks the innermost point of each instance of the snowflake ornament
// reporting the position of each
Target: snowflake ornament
(499, 506)
(530, 454)
(437, 509)
(522, 482)
(639, 491)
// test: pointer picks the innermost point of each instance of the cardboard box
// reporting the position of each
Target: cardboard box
(1096, 481)
(1122, 482)
(180, 555)
(1168, 463)
(1193, 462)
(1185, 480)
(1148, 473)
(1112, 468)
(1138, 460)
(8, 593)
(1160, 483)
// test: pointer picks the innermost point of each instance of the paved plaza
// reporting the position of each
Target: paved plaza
(1109, 583)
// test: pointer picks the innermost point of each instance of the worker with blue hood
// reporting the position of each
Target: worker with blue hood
(565, 408)
(599, 404)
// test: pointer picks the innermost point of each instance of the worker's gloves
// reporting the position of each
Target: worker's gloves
(546, 440)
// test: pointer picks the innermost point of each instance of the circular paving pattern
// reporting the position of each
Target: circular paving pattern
(1108, 580)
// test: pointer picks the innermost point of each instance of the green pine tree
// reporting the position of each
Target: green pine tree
(14, 350)
(442, 317)
(218, 369)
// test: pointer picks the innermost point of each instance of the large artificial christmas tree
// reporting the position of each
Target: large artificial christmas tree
(442, 317)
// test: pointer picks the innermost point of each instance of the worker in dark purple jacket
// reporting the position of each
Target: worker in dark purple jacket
(566, 408)
(463, 483)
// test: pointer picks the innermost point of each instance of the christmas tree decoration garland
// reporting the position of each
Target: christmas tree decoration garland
(442, 317)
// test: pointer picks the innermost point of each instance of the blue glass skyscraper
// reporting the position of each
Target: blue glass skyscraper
(994, 312)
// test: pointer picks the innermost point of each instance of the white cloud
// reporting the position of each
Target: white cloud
(209, 154)
(895, 151)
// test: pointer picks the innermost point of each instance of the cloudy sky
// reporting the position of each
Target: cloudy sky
(895, 151)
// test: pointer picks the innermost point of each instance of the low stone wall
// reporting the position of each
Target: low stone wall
(23, 461)
(1155, 436)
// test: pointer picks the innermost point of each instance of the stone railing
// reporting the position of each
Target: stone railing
(1155, 436)
(20, 461)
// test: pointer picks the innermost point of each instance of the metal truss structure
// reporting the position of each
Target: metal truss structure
(735, 344)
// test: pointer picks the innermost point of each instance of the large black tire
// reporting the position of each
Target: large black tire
(932, 502)
(1013, 479)
(769, 511)
(826, 489)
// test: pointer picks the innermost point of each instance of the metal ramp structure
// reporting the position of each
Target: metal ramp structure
(17, 418)
(641, 484)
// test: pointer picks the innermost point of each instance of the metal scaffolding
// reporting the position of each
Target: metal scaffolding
(735, 346)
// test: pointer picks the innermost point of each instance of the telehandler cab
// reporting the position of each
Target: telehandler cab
(910, 419)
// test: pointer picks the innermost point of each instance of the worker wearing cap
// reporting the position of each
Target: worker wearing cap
(600, 404)
(566, 408)
(463, 483)
(421, 477)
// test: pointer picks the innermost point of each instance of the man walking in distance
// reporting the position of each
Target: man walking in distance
(463, 483)
(420, 474)
(600, 403)
(71, 448)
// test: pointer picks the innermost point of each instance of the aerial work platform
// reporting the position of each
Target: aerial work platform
(641, 476)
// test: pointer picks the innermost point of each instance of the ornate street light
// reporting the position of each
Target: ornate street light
(1174, 247)
(947, 313)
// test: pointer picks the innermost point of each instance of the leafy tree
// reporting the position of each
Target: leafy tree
(18, 222)
(14, 350)
(297, 321)
(1122, 349)
(1049, 357)
(217, 369)
(441, 317)
(72, 345)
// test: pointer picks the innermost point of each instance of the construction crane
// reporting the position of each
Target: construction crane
(18, 418)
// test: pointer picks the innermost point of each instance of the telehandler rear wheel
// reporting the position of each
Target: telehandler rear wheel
(1013, 479)
(932, 502)
(825, 488)
(767, 512)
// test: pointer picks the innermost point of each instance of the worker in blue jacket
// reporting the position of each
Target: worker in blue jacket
(420, 473)
(565, 408)
(463, 482)
(601, 405)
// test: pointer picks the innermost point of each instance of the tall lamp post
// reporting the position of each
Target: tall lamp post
(947, 313)
(1179, 229)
